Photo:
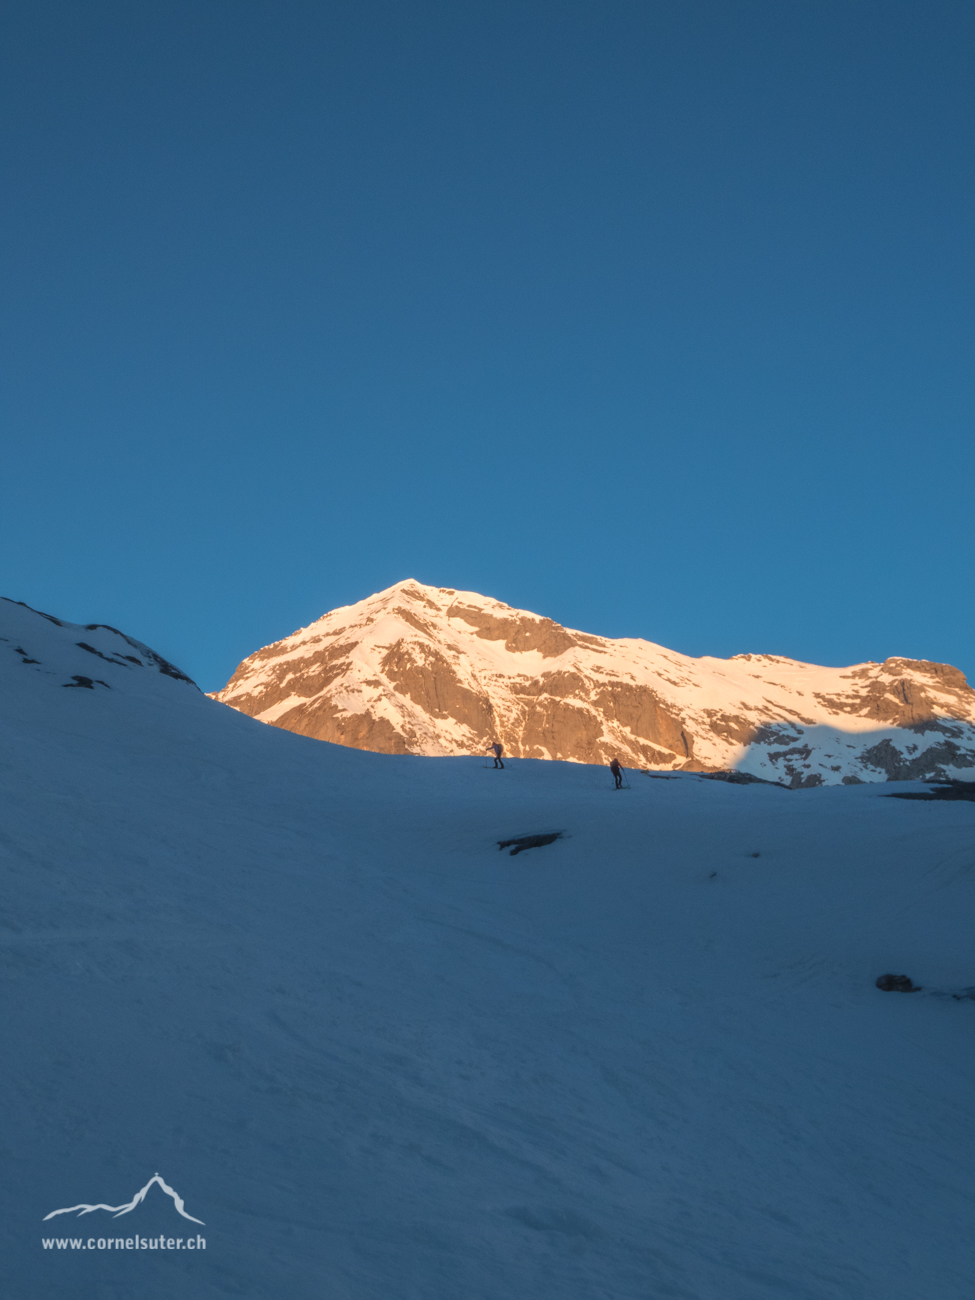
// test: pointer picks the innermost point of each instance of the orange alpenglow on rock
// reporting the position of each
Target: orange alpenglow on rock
(433, 671)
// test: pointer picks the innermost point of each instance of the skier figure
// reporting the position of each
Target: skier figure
(617, 772)
(498, 750)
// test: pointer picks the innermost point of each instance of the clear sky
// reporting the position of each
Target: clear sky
(655, 318)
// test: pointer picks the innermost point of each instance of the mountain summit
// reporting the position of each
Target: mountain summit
(431, 670)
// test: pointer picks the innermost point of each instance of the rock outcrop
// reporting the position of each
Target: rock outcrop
(430, 670)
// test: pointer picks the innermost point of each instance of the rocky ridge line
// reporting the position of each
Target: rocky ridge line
(435, 671)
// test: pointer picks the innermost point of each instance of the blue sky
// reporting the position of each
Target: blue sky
(655, 318)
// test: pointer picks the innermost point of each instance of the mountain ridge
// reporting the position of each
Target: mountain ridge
(438, 671)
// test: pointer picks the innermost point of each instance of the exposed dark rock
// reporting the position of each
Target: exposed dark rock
(168, 669)
(807, 782)
(83, 645)
(776, 733)
(797, 751)
(427, 677)
(931, 764)
(163, 665)
(731, 726)
(644, 714)
(323, 719)
(518, 633)
(23, 604)
(799, 754)
(897, 984)
(734, 777)
(88, 682)
(529, 842)
(950, 790)
(892, 694)
(947, 728)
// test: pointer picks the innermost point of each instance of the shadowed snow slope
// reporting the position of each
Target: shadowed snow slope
(430, 670)
(381, 1060)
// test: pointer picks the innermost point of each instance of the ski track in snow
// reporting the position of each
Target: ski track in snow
(380, 1058)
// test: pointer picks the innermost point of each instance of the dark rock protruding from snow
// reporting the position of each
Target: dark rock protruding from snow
(948, 790)
(735, 777)
(529, 842)
(897, 984)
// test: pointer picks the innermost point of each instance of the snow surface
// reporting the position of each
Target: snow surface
(381, 1060)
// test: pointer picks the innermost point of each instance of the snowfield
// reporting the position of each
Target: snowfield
(381, 1060)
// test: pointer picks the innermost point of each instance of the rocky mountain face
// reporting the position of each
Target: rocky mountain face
(430, 670)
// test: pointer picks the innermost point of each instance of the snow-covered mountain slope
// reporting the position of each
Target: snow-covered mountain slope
(429, 670)
(378, 1058)
(91, 656)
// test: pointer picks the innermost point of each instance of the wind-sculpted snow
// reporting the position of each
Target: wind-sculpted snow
(381, 1058)
(429, 670)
